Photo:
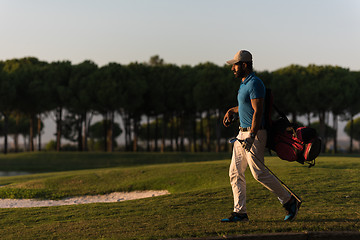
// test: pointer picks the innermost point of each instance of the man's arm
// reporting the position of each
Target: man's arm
(258, 106)
(229, 115)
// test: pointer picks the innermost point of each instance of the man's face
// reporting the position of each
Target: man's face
(239, 70)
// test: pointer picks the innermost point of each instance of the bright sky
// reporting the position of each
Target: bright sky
(277, 32)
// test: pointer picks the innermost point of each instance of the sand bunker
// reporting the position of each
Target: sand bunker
(112, 197)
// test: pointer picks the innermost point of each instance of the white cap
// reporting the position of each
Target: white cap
(241, 56)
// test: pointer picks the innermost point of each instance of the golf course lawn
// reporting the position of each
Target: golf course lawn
(200, 196)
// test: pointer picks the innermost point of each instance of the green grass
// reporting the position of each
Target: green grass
(177, 177)
(200, 196)
(65, 161)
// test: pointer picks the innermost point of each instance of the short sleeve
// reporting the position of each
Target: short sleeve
(257, 89)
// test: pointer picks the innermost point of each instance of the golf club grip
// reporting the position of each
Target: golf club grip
(232, 119)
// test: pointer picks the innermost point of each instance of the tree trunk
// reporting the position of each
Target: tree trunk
(201, 134)
(182, 133)
(164, 132)
(351, 133)
(129, 132)
(109, 135)
(208, 131)
(335, 126)
(218, 131)
(156, 133)
(79, 131)
(25, 143)
(31, 133)
(39, 132)
(194, 133)
(6, 126)
(58, 128)
(16, 135)
(105, 125)
(172, 123)
(148, 133)
(294, 117)
(112, 131)
(327, 116)
(177, 132)
(135, 142)
(16, 142)
(322, 129)
(125, 120)
(308, 119)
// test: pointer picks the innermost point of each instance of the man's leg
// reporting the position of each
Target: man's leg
(238, 184)
(237, 177)
(260, 173)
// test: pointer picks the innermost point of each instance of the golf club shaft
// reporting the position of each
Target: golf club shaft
(284, 185)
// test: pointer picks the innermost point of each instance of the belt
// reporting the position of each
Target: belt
(247, 129)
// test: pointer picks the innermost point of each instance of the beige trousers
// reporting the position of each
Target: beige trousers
(241, 159)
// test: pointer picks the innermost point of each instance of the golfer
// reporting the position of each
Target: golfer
(250, 109)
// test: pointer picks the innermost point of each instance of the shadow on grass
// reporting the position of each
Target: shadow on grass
(339, 220)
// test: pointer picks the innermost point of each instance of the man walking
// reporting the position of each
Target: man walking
(251, 149)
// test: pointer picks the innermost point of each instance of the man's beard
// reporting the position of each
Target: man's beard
(240, 74)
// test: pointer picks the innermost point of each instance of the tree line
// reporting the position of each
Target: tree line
(163, 107)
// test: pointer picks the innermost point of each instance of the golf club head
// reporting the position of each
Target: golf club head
(232, 140)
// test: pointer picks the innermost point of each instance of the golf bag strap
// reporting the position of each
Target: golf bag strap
(281, 113)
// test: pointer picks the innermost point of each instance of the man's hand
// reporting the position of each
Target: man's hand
(230, 116)
(247, 143)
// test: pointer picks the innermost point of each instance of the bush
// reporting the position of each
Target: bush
(69, 147)
(50, 146)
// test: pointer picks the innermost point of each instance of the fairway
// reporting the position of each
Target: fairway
(200, 196)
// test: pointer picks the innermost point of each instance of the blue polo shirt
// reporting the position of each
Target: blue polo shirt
(252, 87)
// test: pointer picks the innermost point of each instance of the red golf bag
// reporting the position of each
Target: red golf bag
(290, 143)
